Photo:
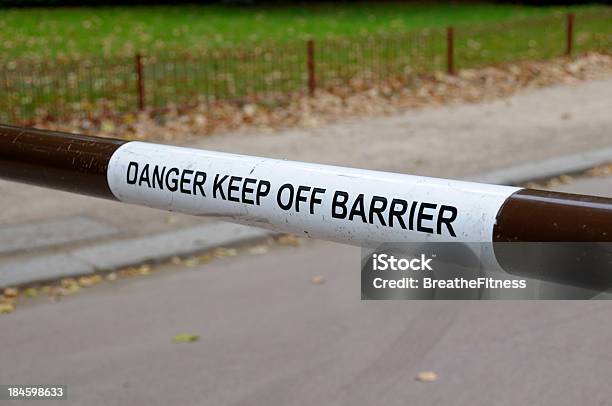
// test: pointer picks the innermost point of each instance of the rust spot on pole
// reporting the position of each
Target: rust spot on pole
(569, 34)
(140, 82)
(450, 50)
(312, 81)
(74, 163)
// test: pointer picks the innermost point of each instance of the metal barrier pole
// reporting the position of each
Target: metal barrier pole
(312, 81)
(569, 37)
(450, 50)
(140, 88)
(347, 205)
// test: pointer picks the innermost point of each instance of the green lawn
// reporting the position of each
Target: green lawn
(61, 62)
(76, 32)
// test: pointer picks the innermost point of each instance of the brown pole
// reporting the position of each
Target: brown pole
(569, 34)
(140, 82)
(544, 216)
(450, 50)
(534, 222)
(69, 162)
(78, 163)
(558, 237)
(312, 81)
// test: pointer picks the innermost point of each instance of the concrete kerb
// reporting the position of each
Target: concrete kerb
(109, 256)
(536, 171)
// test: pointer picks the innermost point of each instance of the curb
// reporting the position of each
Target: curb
(123, 253)
(550, 168)
(112, 255)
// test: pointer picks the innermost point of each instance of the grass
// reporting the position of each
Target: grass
(77, 32)
(242, 53)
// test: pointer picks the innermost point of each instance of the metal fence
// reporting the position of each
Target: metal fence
(273, 72)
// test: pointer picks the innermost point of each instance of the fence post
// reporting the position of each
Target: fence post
(569, 25)
(12, 117)
(312, 81)
(450, 50)
(140, 82)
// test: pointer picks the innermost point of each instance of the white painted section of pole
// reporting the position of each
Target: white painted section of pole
(352, 206)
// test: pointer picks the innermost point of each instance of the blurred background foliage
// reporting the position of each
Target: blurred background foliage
(51, 3)
(74, 32)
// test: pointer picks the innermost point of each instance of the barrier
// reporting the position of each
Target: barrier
(352, 206)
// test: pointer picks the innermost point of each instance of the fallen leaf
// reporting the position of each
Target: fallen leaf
(9, 300)
(427, 376)
(30, 292)
(68, 282)
(204, 258)
(68, 290)
(107, 126)
(129, 272)
(258, 250)
(6, 308)
(191, 262)
(88, 281)
(225, 252)
(186, 338)
(289, 239)
(318, 280)
(144, 269)
(11, 292)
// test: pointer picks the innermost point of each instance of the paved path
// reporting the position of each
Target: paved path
(451, 141)
(268, 336)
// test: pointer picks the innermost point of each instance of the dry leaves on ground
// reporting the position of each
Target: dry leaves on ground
(11, 292)
(6, 308)
(289, 239)
(357, 98)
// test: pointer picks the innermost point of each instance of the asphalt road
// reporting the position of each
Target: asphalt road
(270, 336)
